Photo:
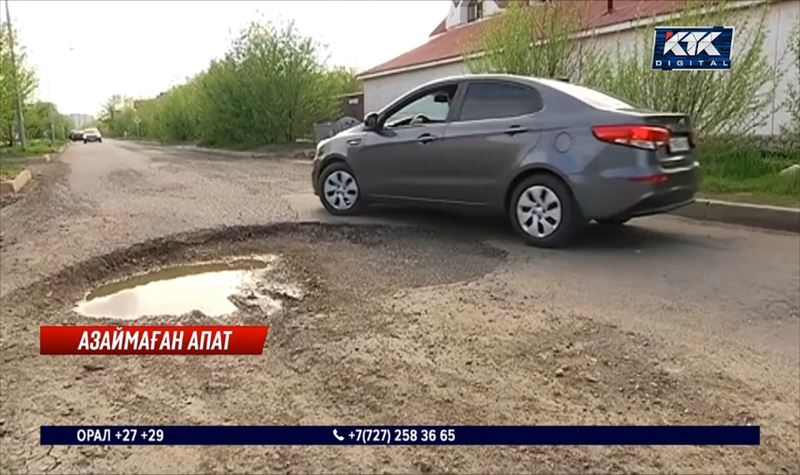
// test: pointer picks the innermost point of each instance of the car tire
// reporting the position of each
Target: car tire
(339, 190)
(612, 222)
(99, 140)
(544, 212)
(85, 141)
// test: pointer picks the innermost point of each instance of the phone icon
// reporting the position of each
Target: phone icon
(338, 437)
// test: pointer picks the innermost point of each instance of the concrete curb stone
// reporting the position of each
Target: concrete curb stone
(13, 186)
(760, 216)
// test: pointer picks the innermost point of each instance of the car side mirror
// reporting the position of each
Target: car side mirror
(371, 121)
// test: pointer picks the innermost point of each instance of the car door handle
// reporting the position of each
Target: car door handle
(354, 142)
(425, 139)
(515, 129)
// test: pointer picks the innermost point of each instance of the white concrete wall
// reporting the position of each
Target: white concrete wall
(454, 15)
(780, 20)
(381, 91)
(490, 8)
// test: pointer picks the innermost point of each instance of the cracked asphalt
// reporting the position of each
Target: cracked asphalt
(414, 317)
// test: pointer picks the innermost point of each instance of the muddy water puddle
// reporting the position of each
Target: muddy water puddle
(211, 288)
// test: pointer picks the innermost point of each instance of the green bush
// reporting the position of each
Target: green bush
(35, 148)
(730, 102)
(270, 87)
(529, 41)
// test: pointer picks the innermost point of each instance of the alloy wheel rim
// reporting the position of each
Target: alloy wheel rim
(539, 211)
(340, 190)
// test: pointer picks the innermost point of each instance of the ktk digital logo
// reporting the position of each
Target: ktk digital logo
(693, 48)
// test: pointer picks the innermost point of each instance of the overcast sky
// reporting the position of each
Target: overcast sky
(85, 51)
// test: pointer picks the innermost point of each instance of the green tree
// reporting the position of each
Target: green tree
(117, 118)
(38, 117)
(24, 75)
(530, 41)
(344, 80)
(731, 102)
(270, 87)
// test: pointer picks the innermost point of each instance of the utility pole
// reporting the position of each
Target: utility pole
(20, 119)
(51, 106)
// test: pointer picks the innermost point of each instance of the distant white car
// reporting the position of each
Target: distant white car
(92, 135)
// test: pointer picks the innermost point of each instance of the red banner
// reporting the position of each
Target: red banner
(152, 340)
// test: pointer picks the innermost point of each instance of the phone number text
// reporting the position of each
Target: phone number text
(402, 436)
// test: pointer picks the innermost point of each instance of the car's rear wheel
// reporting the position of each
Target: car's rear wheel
(544, 212)
(339, 190)
(85, 141)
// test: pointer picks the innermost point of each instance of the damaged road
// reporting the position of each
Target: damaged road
(406, 318)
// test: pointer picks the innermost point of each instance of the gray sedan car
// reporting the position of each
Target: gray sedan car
(549, 154)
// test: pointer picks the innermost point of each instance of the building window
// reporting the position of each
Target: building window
(474, 10)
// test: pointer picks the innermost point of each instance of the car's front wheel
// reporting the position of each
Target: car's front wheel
(544, 212)
(339, 190)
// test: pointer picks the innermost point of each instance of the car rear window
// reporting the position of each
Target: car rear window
(492, 100)
(593, 98)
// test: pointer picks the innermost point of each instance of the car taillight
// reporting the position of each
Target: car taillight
(641, 136)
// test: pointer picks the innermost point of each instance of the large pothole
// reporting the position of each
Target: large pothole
(214, 289)
(250, 273)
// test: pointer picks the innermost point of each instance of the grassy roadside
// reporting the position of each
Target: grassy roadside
(753, 198)
(754, 191)
(35, 148)
(12, 159)
(9, 171)
(748, 171)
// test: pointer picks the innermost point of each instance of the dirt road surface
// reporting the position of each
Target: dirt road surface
(410, 317)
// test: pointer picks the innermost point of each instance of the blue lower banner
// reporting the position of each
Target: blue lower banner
(400, 435)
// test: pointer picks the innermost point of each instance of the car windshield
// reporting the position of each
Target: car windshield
(594, 98)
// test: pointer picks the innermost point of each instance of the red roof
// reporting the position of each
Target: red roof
(440, 28)
(464, 38)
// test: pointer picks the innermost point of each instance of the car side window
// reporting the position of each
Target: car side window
(433, 107)
(495, 100)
